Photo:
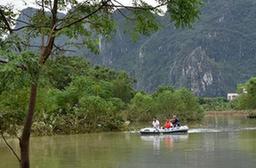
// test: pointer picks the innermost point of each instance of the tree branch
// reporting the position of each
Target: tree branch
(120, 5)
(10, 147)
(42, 38)
(60, 48)
(71, 13)
(83, 18)
(46, 51)
(41, 4)
(122, 13)
(21, 21)
(22, 27)
(5, 21)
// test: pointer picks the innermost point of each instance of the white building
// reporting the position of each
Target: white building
(232, 96)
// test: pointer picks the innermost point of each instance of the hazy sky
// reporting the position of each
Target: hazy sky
(20, 4)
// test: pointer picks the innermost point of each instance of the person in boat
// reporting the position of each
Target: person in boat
(155, 123)
(168, 124)
(175, 121)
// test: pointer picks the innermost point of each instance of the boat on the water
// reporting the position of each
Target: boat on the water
(156, 131)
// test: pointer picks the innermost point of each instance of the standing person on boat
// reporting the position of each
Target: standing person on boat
(156, 123)
(175, 121)
(168, 124)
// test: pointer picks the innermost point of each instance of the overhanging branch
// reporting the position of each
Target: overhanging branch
(83, 18)
(5, 21)
(10, 147)
(120, 5)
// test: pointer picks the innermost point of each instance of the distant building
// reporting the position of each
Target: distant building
(232, 96)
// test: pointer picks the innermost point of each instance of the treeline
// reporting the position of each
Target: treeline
(76, 97)
(216, 104)
(247, 95)
(245, 101)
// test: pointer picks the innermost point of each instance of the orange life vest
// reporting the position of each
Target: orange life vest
(167, 124)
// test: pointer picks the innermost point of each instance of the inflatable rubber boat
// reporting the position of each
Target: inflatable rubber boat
(155, 131)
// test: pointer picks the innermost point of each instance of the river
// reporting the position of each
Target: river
(220, 142)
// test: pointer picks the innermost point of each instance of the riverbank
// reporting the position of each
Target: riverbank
(230, 113)
(43, 129)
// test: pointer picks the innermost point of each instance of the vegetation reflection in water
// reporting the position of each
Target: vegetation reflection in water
(126, 150)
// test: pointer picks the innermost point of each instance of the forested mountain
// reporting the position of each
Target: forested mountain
(211, 58)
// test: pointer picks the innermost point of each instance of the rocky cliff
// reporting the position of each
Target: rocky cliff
(211, 58)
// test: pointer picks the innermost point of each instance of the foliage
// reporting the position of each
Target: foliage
(247, 98)
(165, 103)
(216, 104)
(86, 21)
(70, 87)
(184, 12)
(74, 97)
(60, 71)
(141, 107)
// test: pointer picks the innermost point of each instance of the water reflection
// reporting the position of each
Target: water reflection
(165, 141)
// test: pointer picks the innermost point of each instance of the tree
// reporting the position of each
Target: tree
(83, 20)
(180, 102)
(122, 87)
(247, 97)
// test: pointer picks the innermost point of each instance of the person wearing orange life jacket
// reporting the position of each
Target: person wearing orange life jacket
(168, 124)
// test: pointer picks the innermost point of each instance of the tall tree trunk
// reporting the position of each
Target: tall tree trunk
(24, 141)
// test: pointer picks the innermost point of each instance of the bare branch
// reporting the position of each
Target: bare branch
(10, 147)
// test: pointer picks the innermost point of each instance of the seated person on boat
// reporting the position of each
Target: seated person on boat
(168, 124)
(155, 123)
(175, 121)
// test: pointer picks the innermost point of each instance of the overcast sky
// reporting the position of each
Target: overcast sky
(20, 4)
